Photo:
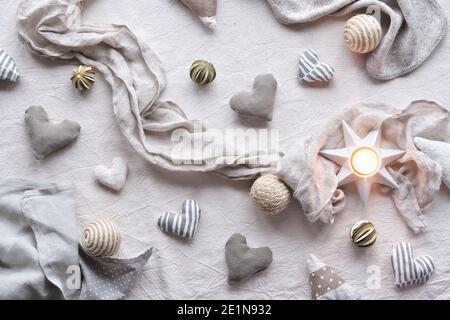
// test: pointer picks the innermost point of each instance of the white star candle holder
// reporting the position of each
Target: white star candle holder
(363, 161)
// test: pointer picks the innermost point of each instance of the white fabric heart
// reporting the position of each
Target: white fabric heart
(407, 269)
(113, 177)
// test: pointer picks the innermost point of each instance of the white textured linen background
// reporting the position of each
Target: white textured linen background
(248, 41)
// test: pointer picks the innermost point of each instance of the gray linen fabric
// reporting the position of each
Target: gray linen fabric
(39, 248)
(313, 178)
(52, 29)
(416, 28)
(38, 240)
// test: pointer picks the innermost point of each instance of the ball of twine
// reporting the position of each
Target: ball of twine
(362, 33)
(270, 194)
(101, 238)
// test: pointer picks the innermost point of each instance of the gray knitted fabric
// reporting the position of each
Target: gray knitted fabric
(416, 28)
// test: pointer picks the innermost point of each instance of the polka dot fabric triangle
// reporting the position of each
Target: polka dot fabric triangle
(324, 280)
(326, 284)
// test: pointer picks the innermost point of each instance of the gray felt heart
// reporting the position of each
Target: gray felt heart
(260, 102)
(243, 261)
(47, 137)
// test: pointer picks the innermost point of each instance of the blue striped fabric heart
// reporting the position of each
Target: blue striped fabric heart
(312, 70)
(8, 68)
(183, 224)
(407, 269)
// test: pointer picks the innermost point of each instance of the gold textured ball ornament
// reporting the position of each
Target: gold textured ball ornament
(363, 233)
(101, 238)
(270, 194)
(202, 72)
(362, 33)
(83, 77)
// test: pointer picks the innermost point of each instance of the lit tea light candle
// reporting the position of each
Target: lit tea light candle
(365, 161)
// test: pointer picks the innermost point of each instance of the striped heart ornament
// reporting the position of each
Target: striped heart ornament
(8, 68)
(312, 70)
(183, 224)
(407, 269)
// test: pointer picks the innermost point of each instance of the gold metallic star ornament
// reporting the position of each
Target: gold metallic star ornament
(363, 161)
(83, 77)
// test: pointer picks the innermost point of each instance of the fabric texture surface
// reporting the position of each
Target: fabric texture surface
(416, 28)
(313, 177)
(137, 79)
(197, 269)
(439, 152)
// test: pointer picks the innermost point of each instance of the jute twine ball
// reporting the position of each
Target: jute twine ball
(270, 194)
(101, 238)
(362, 33)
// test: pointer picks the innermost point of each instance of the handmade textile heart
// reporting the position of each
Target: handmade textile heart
(407, 269)
(311, 70)
(439, 152)
(8, 68)
(243, 261)
(206, 10)
(260, 102)
(113, 177)
(183, 224)
(47, 137)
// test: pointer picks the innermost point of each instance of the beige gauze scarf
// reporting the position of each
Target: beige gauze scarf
(313, 177)
(52, 29)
